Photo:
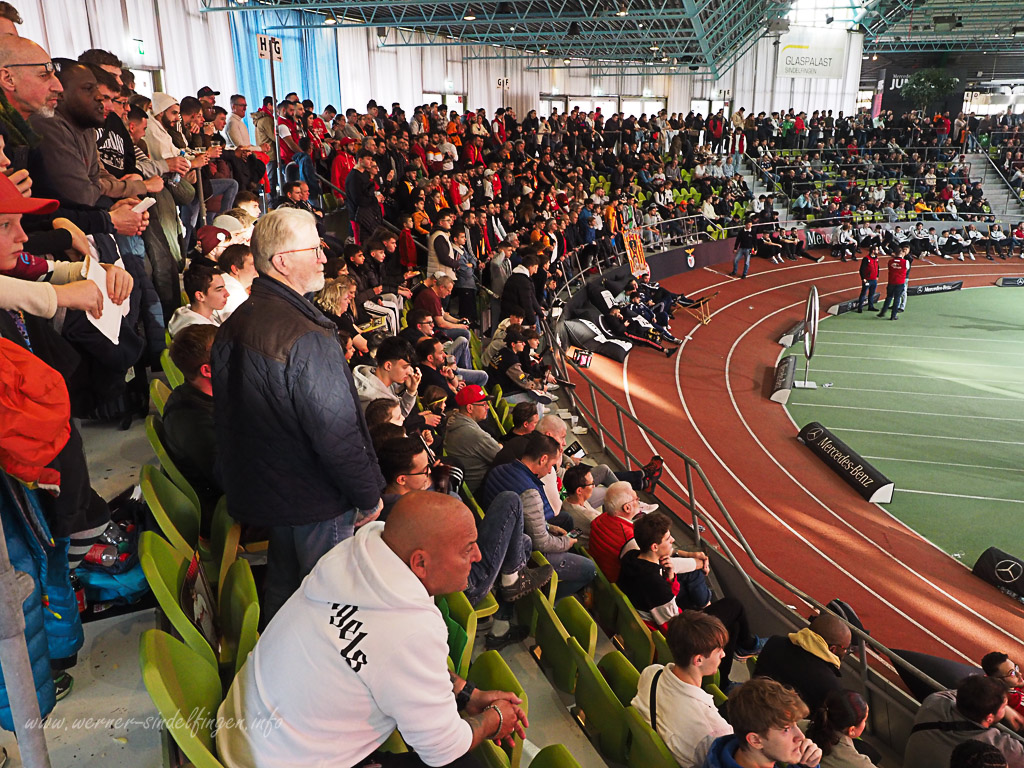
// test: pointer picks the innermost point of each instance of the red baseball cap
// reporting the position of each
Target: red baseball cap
(471, 393)
(12, 201)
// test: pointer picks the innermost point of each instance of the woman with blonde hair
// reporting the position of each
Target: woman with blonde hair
(334, 300)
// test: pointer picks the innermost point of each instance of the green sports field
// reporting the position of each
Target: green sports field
(935, 400)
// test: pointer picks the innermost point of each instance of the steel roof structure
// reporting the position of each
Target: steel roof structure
(670, 37)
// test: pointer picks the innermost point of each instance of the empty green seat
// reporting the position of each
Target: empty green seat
(554, 627)
(604, 599)
(634, 636)
(155, 435)
(174, 376)
(621, 675)
(180, 682)
(239, 612)
(554, 756)
(597, 708)
(225, 534)
(175, 513)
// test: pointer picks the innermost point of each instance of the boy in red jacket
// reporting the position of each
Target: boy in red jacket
(896, 271)
(868, 280)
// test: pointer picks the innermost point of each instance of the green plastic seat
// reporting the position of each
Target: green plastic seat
(471, 502)
(174, 377)
(164, 568)
(605, 608)
(621, 675)
(597, 708)
(490, 673)
(155, 435)
(239, 616)
(179, 682)
(158, 393)
(662, 653)
(633, 634)
(554, 627)
(491, 756)
(175, 513)
(461, 612)
(527, 607)
(646, 748)
(225, 534)
(554, 756)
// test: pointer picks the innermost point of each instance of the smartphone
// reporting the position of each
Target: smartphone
(575, 533)
(144, 205)
(576, 450)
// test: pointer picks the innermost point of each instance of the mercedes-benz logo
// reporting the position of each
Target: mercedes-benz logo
(1020, 281)
(1008, 571)
(813, 434)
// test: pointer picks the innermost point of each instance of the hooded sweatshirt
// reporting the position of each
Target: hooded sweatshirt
(359, 650)
(370, 388)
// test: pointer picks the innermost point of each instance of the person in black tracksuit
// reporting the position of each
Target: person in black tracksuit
(868, 280)
(745, 245)
(625, 327)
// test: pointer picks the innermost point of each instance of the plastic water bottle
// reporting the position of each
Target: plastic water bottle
(176, 178)
(102, 554)
(115, 536)
(79, 590)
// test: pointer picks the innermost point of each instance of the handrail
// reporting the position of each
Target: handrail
(976, 145)
(698, 514)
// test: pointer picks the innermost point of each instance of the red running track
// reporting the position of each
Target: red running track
(800, 519)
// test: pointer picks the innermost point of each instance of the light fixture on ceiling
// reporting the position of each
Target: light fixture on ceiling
(653, 48)
(382, 32)
(829, 19)
(469, 15)
(543, 51)
(512, 28)
(875, 57)
(672, 69)
(664, 58)
(566, 61)
(693, 67)
(623, 10)
(330, 20)
(574, 30)
(639, 25)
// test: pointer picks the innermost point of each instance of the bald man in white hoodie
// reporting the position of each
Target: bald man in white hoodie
(360, 649)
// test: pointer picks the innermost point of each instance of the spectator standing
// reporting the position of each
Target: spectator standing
(896, 282)
(295, 451)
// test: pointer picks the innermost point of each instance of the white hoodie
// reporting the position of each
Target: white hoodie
(359, 650)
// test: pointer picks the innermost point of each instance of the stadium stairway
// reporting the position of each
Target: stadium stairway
(1001, 197)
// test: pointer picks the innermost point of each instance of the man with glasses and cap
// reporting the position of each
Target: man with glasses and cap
(295, 451)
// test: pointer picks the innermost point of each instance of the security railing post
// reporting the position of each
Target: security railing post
(693, 505)
(622, 441)
(597, 418)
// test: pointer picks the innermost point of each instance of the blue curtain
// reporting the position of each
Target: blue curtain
(310, 66)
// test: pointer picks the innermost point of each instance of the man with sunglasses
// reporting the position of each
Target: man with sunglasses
(295, 452)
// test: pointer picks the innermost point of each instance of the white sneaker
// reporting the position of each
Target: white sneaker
(972, 257)
(647, 508)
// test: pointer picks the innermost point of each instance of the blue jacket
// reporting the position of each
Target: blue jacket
(27, 538)
(514, 477)
(292, 443)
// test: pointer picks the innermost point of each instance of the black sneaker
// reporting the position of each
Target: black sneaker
(530, 580)
(62, 684)
(516, 634)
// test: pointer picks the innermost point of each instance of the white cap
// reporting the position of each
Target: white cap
(162, 102)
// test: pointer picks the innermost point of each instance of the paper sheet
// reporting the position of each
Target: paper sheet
(109, 323)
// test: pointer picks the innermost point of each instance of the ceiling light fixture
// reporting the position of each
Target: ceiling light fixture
(875, 57)
(330, 20)
(543, 51)
(574, 30)
(623, 10)
(653, 48)
(470, 15)
(566, 61)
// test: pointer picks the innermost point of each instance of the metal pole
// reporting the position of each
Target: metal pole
(277, 137)
(622, 439)
(597, 417)
(15, 588)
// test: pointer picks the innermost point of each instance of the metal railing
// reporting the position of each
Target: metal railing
(1012, 193)
(614, 433)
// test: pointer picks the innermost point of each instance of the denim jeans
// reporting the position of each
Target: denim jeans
(741, 254)
(293, 551)
(473, 376)
(228, 189)
(574, 572)
(867, 291)
(459, 349)
(504, 548)
(896, 295)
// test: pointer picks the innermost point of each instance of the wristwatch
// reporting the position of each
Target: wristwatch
(463, 696)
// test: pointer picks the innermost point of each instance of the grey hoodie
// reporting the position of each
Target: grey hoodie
(370, 388)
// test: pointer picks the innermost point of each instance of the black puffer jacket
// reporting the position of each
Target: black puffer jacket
(292, 443)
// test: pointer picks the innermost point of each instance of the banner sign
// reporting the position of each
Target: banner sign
(793, 335)
(850, 305)
(1002, 570)
(1010, 282)
(921, 290)
(847, 463)
(635, 250)
(813, 52)
(782, 386)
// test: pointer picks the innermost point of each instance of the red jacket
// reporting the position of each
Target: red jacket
(897, 270)
(869, 268)
(608, 535)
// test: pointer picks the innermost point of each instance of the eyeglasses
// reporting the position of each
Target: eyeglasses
(1014, 671)
(411, 474)
(49, 66)
(318, 248)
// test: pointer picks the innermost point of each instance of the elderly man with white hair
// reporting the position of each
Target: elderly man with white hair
(295, 451)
